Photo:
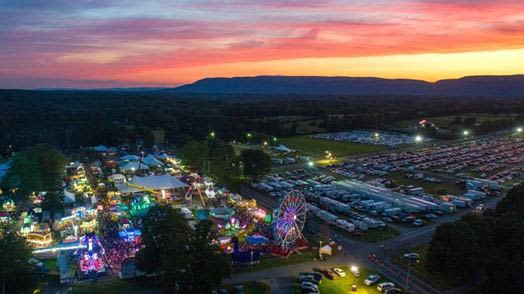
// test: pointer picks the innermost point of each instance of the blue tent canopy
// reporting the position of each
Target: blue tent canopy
(257, 239)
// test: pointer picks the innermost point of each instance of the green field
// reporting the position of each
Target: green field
(428, 187)
(419, 269)
(115, 286)
(343, 285)
(373, 236)
(444, 121)
(316, 147)
(269, 261)
(252, 288)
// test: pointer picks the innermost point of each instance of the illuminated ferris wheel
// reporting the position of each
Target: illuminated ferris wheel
(290, 220)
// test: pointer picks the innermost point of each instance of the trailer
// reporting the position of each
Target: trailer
(345, 225)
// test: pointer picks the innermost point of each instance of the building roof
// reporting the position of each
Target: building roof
(160, 182)
(133, 165)
(150, 160)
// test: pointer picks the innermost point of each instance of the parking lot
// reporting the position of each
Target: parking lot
(404, 189)
(389, 139)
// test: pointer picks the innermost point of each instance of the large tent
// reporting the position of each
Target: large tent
(129, 157)
(161, 182)
(151, 161)
(133, 166)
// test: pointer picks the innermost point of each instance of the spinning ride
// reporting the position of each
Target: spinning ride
(290, 221)
(91, 256)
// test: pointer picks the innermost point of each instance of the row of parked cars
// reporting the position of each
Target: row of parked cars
(369, 137)
(310, 281)
(480, 155)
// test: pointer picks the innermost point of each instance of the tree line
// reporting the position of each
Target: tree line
(485, 250)
(71, 119)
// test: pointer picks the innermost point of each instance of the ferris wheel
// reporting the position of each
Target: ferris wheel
(290, 220)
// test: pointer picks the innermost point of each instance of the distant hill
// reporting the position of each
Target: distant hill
(496, 86)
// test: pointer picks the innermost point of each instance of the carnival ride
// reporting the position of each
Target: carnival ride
(91, 255)
(140, 206)
(289, 222)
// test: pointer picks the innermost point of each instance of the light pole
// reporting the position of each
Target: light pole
(251, 260)
(354, 269)
(407, 274)
(319, 248)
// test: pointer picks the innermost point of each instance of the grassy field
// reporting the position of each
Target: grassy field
(428, 187)
(373, 236)
(444, 121)
(115, 286)
(252, 288)
(317, 147)
(343, 285)
(419, 269)
(269, 261)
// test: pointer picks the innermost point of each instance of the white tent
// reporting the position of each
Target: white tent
(282, 148)
(102, 148)
(129, 157)
(325, 250)
(69, 197)
(162, 156)
(162, 182)
(117, 178)
(151, 161)
(132, 166)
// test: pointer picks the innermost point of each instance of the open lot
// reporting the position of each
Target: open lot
(252, 288)
(445, 121)
(418, 268)
(343, 284)
(445, 187)
(275, 261)
(316, 147)
(115, 286)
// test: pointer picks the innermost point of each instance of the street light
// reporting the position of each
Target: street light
(310, 163)
(466, 132)
(418, 138)
(274, 139)
(407, 274)
(212, 134)
(354, 269)
(519, 130)
(265, 143)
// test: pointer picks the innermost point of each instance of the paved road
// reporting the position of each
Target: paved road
(281, 279)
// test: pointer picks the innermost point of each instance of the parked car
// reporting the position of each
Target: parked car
(309, 285)
(239, 289)
(371, 279)
(383, 287)
(309, 279)
(339, 271)
(393, 291)
(418, 222)
(327, 274)
(356, 273)
(412, 256)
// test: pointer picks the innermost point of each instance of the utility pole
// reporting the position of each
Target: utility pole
(407, 275)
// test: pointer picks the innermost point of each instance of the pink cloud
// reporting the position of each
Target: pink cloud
(84, 48)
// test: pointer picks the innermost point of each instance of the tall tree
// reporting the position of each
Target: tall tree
(36, 169)
(208, 267)
(256, 163)
(194, 154)
(188, 261)
(454, 252)
(16, 271)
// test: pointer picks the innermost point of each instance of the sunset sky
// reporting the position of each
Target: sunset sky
(110, 43)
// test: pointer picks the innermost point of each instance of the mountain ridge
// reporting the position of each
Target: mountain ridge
(478, 85)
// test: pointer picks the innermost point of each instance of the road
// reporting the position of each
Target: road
(281, 279)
